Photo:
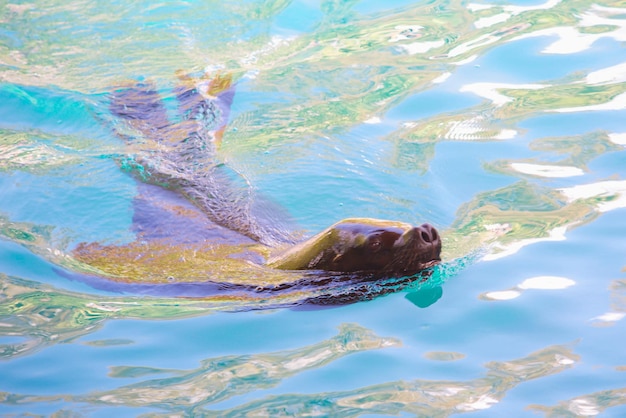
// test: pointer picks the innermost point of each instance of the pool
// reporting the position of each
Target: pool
(502, 124)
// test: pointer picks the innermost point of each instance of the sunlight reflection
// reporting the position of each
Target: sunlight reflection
(618, 138)
(586, 405)
(221, 378)
(607, 195)
(538, 283)
(618, 305)
(544, 170)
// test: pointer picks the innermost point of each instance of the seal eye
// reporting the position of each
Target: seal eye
(374, 245)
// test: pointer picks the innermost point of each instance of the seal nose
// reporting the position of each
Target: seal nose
(427, 234)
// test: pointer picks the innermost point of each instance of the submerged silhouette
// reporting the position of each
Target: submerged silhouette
(201, 229)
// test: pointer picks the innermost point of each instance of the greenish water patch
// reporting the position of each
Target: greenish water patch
(108, 343)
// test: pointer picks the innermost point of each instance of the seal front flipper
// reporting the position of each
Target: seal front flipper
(164, 215)
(140, 105)
(207, 101)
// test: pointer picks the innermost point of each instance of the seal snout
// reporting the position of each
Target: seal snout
(427, 234)
(422, 235)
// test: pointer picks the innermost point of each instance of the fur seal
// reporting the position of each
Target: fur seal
(193, 220)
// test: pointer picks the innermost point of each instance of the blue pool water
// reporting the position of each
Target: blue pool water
(504, 125)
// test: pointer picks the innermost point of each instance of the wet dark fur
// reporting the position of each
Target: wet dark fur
(382, 251)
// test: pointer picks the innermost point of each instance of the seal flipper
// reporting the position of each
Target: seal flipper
(165, 216)
(207, 101)
(141, 106)
(221, 87)
(182, 156)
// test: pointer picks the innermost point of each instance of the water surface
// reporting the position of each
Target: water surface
(501, 124)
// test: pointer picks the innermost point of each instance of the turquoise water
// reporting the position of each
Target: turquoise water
(503, 126)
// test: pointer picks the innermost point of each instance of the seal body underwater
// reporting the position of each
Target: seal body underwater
(196, 220)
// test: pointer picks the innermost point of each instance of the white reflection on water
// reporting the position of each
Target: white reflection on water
(474, 130)
(589, 405)
(421, 47)
(609, 75)
(608, 195)
(618, 138)
(490, 91)
(571, 40)
(220, 378)
(505, 250)
(509, 11)
(545, 170)
(609, 317)
(536, 283)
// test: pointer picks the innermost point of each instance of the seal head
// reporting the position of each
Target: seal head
(368, 245)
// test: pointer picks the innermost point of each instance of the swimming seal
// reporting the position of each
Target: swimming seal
(196, 222)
